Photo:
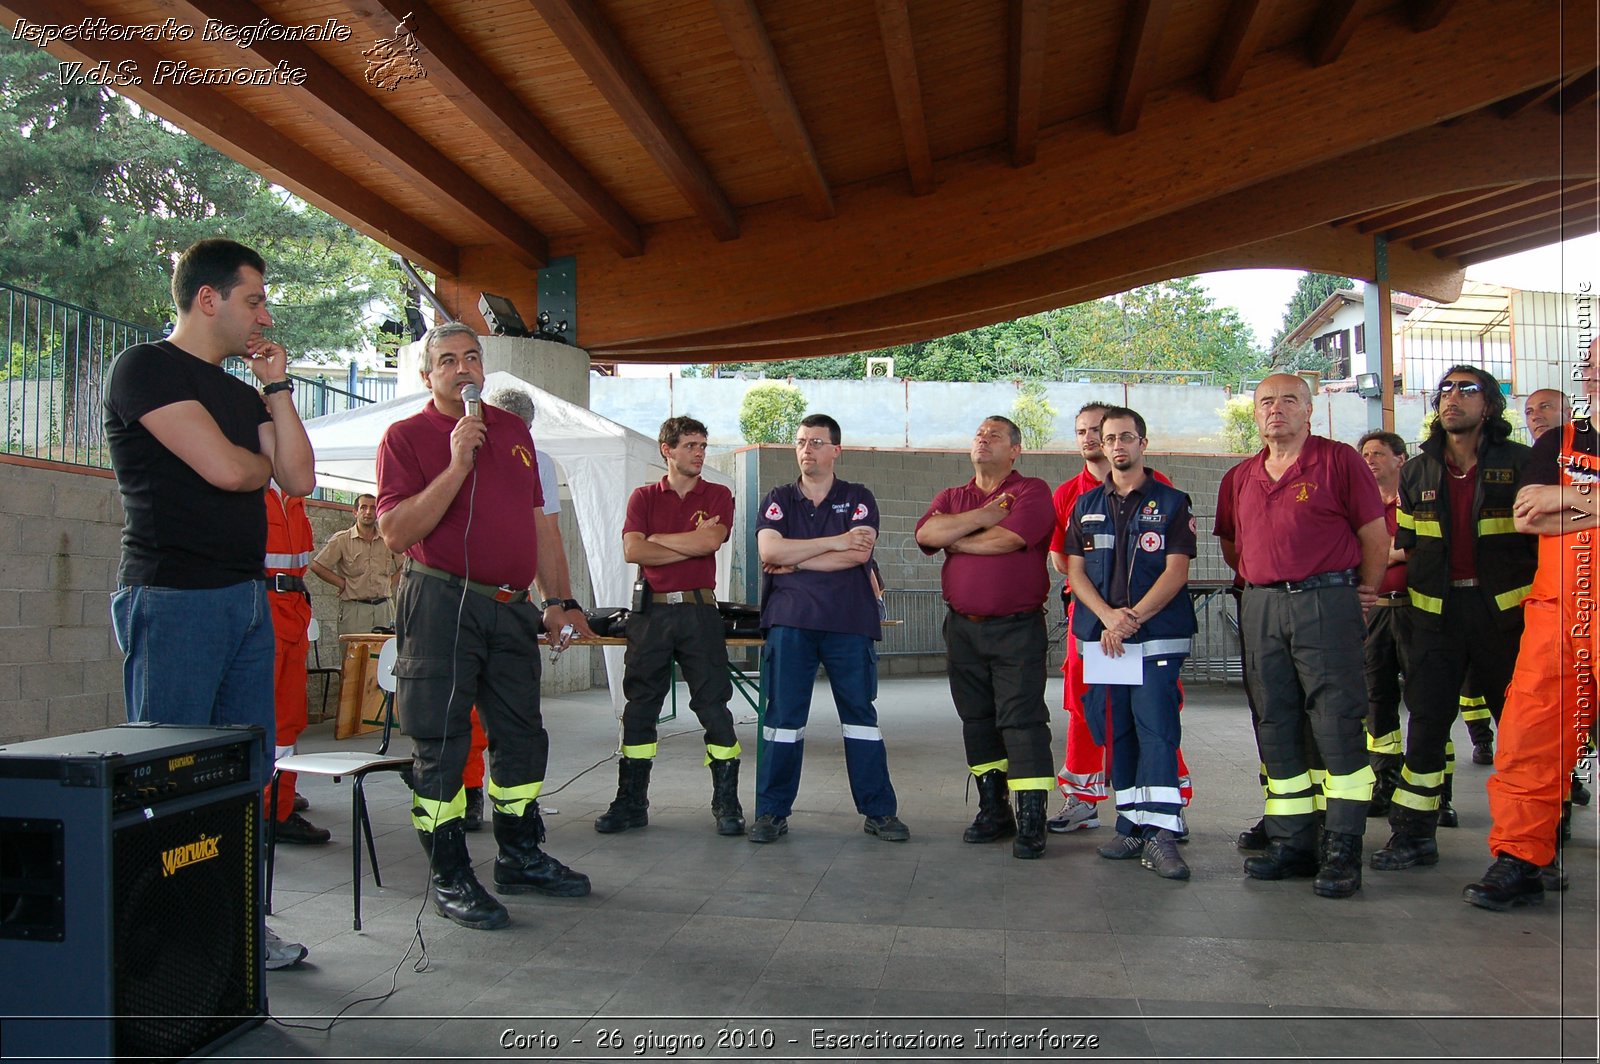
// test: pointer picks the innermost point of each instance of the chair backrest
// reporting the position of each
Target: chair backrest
(386, 659)
(313, 631)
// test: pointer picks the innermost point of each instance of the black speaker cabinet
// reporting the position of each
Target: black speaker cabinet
(130, 892)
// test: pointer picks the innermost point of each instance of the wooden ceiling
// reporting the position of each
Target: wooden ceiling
(744, 179)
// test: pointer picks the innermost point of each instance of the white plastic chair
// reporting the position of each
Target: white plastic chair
(356, 765)
(317, 668)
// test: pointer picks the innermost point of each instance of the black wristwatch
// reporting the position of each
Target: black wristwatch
(284, 385)
(570, 604)
(547, 603)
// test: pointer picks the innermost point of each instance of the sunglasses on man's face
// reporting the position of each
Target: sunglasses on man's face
(1464, 387)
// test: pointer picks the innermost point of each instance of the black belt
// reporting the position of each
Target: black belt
(369, 602)
(1394, 598)
(1341, 578)
(699, 595)
(288, 584)
(503, 593)
(977, 618)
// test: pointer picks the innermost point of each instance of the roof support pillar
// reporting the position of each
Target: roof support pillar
(1379, 311)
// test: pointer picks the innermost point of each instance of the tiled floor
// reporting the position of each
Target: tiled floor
(831, 930)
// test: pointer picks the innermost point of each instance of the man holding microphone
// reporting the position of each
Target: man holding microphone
(458, 487)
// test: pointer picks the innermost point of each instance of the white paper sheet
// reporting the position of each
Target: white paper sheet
(1127, 670)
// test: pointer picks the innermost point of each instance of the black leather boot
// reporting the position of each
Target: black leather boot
(1412, 843)
(1340, 874)
(1029, 842)
(1447, 812)
(994, 820)
(1253, 837)
(1281, 861)
(473, 821)
(631, 808)
(521, 866)
(1509, 883)
(725, 807)
(457, 894)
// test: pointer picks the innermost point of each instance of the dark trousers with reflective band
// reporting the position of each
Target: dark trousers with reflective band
(694, 635)
(1145, 734)
(996, 673)
(1303, 650)
(1469, 636)
(455, 649)
(1387, 634)
(789, 663)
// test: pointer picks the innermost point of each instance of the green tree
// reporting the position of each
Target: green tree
(1309, 294)
(1239, 432)
(1034, 415)
(97, 197)
(770, 413)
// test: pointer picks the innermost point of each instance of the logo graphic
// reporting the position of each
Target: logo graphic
(524, 454)
(202, 849)
(393, 61)
(1150, 542)
(1430, 496)
(1191, 526)
(861, 512)
(774, 512)
(181, 761)
(1303, 490)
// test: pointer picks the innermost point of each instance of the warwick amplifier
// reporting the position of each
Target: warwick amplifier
(130, 892)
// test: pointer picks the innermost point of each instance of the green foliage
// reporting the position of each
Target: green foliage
(1309, 293)
(770, 413)
(1174, 325)
(1034, 415)
(1239, 432)
(97, 198)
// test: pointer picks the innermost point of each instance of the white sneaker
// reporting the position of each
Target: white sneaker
(1075, 814)
(281, 954)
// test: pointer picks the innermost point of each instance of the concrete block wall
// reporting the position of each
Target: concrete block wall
(60, 546)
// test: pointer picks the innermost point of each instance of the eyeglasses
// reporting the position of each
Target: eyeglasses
(805, 443)
(1127, 439)
(1461, 387)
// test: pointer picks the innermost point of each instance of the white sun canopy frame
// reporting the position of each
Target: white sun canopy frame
(600, 461)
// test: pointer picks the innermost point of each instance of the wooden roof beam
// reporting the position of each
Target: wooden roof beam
(1026, 22)
(234, 131)
(751, 44)
(1477, 208)
(1335, 24)
(1578, 90)
(459, 73)
(1535, 96)
(1137, 61)
(593, 44)
(1400, 214)
(1241, 37)
(1512, 224)
(894, 23)
(1426, 14)
(1533, 222)
(331, 98)
(1581, 225)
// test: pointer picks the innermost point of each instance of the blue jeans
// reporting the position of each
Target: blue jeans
(197, 657)
(789, 663)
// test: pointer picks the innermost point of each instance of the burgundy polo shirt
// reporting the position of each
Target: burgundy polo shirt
(1001, 584)
(657, 509)
(1394, 577)
(1305, 522)
(504, 546)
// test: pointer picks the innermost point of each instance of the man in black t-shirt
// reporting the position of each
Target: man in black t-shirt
(193, 447)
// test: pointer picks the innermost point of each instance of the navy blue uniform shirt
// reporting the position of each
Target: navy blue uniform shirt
(827, 602)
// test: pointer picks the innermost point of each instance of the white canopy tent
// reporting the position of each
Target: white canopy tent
(601, 462)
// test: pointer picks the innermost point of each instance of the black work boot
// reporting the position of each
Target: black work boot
(521, 866)
(1281, 861)
(473, 821)
(1253, 837)
(1447, 812)
(457, 894)
(1508, 884)
(1412, 843)
(725, 807)
(1340, 874)
(1580, 793)
(1481, 732)
(631, 808)
(1386, 776)
(994, 820)
(1029, 842)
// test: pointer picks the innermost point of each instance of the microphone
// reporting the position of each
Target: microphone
(472, 396)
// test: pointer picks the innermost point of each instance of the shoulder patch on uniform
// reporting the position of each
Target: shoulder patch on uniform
(774, 511)
(860, 513)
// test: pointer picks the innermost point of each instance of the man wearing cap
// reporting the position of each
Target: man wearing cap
(457, 493)
(358, 562)
(995, 533)
(1312, 555)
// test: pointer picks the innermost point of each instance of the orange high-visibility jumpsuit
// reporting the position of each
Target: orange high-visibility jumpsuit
(289, 547)
(1549, 710)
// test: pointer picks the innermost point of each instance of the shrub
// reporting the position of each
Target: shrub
(771, 413)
